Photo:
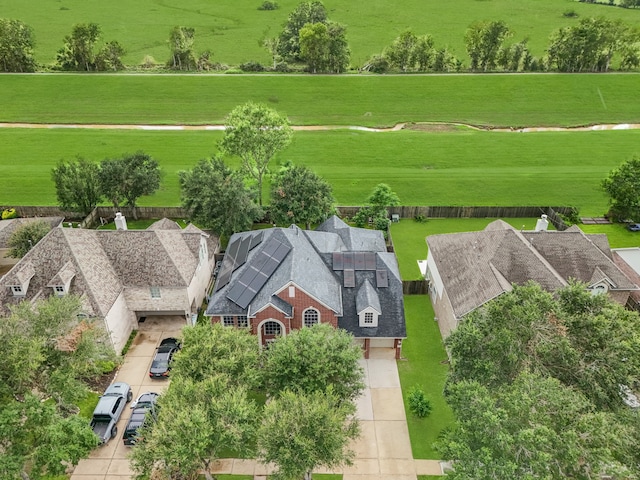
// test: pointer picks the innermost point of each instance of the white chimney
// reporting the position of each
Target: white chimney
(542, 224)
(121, 222)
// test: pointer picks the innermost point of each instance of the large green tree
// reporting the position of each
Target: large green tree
(217, 198)
(298, 195)
(484, 41)
(197, 422)
(289, 41)
(79, 50)
(533, 428)
(77, 185)
(302, 432)
(324, 47)
(128, 178)
(325, 357)
(376, 207)
(16, 46)
(255, 133)
(623, 187)
(26, 236)
(181, 40)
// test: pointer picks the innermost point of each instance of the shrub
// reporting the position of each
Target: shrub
(252, 67)
(9, 213)
(571, 13)
(377, 64)
(282, 67)
(233, 71)
(418, 403)
(269, 5)
(148, 61)
(106, 366)
(420, 218)
(127, 345)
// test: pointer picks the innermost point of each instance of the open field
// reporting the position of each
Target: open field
(462, 167)
(491, 100)
(231, 28)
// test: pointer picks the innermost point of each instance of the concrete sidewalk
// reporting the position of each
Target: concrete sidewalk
(383, 450)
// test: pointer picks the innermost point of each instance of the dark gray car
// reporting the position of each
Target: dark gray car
(161, 364)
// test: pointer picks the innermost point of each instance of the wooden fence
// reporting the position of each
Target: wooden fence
(415, 287)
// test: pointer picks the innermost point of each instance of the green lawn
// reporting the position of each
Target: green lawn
(507, 100)
(425, 365)
(231, 28)
(88, 405)
(454, 168)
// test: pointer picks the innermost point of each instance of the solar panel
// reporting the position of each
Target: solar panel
(382, 278)
(258, 272)
(348, 261)
(232, 249)
(243, 252)
(256, 239)
(359, 260)
(223, 279)
(349, 278)
(337, 260)
(369, 261)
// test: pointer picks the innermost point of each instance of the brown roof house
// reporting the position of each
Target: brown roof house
(121, 275)
(466, 270)
(277, 280)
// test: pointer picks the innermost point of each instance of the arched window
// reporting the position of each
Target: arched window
(272, 328)
(310, 317)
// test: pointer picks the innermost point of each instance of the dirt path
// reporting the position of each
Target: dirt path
(422, 127)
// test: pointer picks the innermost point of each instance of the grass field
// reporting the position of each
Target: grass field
(426, 366)
(491, 100)
(231, 28)
(453, 168)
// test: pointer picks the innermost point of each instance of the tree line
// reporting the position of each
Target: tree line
(311, 42)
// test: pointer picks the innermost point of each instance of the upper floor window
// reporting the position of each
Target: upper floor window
(368, 318)
(17, 291)
(155, 292)
(311, 317)
(59, 290)
(227, 321)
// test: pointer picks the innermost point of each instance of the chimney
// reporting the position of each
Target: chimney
(542, 224)
(121, 222)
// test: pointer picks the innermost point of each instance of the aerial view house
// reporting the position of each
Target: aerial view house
(122, 276)
(466, 270)
(276, 280)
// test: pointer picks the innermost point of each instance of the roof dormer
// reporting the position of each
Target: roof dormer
(368, 305)
(61, 281)
(18, 281)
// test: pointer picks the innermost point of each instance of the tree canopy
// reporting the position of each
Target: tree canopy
(255, 133)
(304, 13)
(128, 178)
(78, 51)
(375, 209)
(16, 46)
(77, 185)
(537, 383)
(623, 186)
(298, 195)
(326, 357)
(25, 238)
(484, 41)
(217, 198)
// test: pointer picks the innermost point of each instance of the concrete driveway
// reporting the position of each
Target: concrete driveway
(109, 462)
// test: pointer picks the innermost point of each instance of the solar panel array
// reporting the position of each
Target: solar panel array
(253, 278)
(349, 278)
(236, 256)
(354, 261)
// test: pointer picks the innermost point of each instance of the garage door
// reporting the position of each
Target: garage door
(382, 343)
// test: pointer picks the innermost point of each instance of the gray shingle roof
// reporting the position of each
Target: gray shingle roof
(309, 266)
(478, 266)
(7, 227)
(367, 297)
(164, 224)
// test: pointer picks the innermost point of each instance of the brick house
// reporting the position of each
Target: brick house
(280, 279)
(120, 276)
(466, 270)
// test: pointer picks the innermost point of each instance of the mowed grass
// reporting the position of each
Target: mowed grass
(487, 100)
(425, 365)
(231, 28)
(456, 168)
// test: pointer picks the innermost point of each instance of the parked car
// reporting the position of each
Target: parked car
(109, 409)
(633, 227)
(144, 409)
(161, 364)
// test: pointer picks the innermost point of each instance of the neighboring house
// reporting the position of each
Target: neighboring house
(276, 280)
(7, 227)
(121, 276)
(628, 260)
(466, 270)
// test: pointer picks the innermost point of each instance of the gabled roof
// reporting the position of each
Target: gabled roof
(478, 266)
(164, 224)
(308, 265)
(367, 297)
(100, 263)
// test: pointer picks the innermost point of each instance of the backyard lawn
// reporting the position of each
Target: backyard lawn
(426, 366)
